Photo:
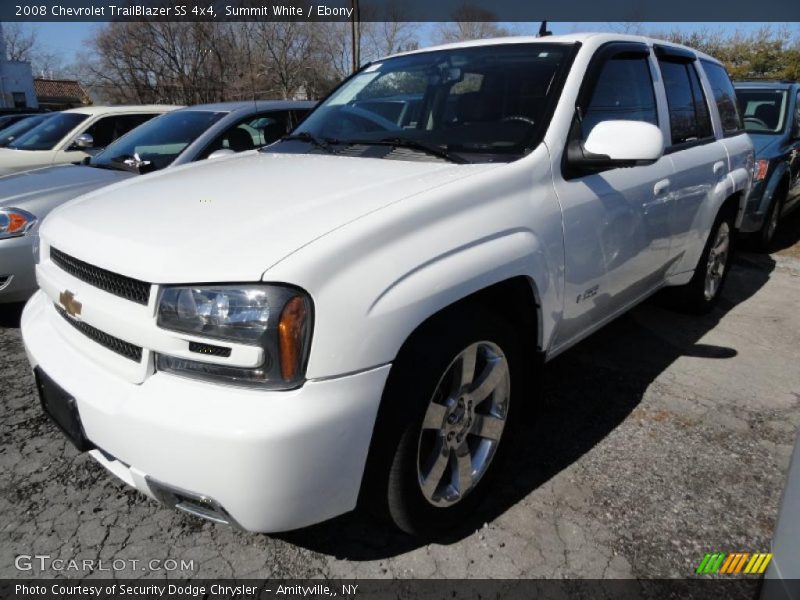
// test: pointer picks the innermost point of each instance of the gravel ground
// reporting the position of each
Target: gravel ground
(660, 438)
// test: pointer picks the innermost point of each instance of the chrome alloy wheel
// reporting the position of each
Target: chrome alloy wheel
(463, 424)
(717, 260)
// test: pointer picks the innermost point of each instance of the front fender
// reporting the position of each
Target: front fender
(758, 203)
(374, 281)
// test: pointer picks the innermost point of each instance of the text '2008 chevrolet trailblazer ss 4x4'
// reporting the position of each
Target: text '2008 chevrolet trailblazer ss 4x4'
(356, 312)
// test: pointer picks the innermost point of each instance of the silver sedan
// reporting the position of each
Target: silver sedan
(176, 138)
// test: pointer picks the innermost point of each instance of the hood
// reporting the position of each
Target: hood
(765, 145)
(41, 190)
(231, 219)
(12, 161)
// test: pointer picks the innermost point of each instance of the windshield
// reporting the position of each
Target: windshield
(763, 110)
(49, 132)
(12, 132)
(159, 141)
(485, 103)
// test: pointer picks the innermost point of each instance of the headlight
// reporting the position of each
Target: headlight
(276, 318)
(15, 222)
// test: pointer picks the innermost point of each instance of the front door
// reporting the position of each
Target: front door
(616, 222)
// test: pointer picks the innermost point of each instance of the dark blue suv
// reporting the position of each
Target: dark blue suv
(771, 114)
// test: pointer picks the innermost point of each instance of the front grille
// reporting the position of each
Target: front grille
(114, 344)
(119, 285)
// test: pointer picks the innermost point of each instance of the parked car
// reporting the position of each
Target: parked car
(72, 135)
(782, 579)
(11, 132)
(170, 140)
(357, 310)
(11, 118)
(771, 113)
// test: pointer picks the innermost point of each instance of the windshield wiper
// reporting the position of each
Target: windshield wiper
(305, 136)
(399, 142)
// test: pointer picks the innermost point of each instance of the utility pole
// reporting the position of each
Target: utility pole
(356, 35)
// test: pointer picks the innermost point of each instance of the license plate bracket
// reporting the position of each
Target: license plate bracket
(62, 410)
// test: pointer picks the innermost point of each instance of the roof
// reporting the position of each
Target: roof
(572, 38)
(766, 83)
(258, 105)
(60, 88)
(128, 108)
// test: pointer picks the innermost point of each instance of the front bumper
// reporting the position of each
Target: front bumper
(275, 460)
(17, 263)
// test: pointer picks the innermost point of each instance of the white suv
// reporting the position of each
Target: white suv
(357, 311)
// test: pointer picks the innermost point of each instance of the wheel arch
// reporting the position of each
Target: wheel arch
(778, 178)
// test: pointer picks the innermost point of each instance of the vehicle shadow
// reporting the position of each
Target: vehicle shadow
(10, 314)
(788, 234)
(586, 393)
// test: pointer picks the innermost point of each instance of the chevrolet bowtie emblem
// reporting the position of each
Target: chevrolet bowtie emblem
(72, 306)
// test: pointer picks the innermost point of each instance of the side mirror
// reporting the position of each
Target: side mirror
(82, 142)
(616, 144)
(221, 152)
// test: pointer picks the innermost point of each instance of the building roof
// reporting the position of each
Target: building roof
(60, 88)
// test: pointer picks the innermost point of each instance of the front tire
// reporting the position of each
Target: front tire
(445, 420)
(767, 234)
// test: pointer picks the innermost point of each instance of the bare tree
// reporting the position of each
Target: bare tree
(469, 23)
(20, 42)
(285, 50)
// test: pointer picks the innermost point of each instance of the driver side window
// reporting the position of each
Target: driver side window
(624, 91)
(251, 133)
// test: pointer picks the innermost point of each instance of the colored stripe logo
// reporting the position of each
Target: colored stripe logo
(734, 563)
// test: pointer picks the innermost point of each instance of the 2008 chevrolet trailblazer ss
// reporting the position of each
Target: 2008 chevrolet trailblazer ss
(356, 312)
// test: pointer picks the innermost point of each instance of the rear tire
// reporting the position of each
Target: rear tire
(767, 234)
(446, 420)
(703, 292)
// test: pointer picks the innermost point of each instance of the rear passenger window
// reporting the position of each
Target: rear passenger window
(689, 119)
(624, 91)
(724, 96)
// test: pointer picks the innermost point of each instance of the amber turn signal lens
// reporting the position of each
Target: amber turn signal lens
(16, 222)
(291, 331)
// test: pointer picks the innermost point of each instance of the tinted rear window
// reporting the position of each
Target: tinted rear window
(724, 96)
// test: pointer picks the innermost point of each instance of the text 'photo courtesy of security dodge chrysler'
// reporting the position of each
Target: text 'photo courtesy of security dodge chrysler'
(355, 314)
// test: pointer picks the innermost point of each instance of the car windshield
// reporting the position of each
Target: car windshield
(49, 132)
(10, 133)
(763, 110)
(158, 142)
(483, 103)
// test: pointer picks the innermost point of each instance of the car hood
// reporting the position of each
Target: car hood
(231, 219)
(12, 161)
(40, 190)
(765, 146)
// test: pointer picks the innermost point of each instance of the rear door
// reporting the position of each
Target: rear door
(699, 159)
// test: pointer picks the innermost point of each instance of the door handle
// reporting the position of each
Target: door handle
(661, 186)
(719, 167)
